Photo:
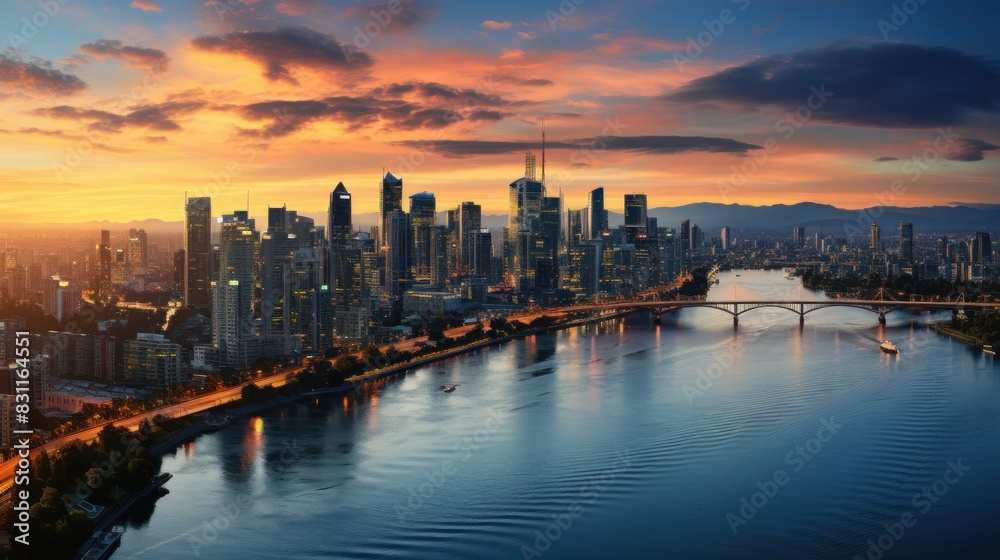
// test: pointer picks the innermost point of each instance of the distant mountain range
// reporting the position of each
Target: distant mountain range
(708, 216)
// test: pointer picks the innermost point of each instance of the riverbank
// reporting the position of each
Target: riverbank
(356, 383)
(945, 330)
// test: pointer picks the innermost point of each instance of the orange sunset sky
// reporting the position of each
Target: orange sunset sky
(113, 110)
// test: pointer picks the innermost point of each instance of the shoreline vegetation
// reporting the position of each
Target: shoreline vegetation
(975, 329)
(120, 467)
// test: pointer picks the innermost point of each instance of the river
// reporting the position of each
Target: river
(625, 439)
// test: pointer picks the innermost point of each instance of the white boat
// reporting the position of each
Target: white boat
(888, 347)
(448, 388)
(988, 349)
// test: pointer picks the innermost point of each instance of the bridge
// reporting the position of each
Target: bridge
(747, 300)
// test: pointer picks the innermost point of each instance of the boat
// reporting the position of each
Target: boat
(888, 347)
(100, 545)
(988, 349)
(448, 388)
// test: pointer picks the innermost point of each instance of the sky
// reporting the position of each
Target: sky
(114, 110)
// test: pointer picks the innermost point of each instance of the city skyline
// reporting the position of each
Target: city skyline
(133, 106)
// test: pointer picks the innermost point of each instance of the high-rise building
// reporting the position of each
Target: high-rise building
(685, 240)
(942, 250)
(277, 254)
(104, 260)
(481, 258)
(61, 298)
(396, 252)
(80, 355)
(546, 247)
(468, 221)
(982, 248)
(726, 238)
(339, 216)
(423, 209)
(876, 239)
(598, 215)
(635, 217)
(137, 252)
(154, 362)
(906, 242)
(798, 236)
(390, 200)
(234, 332)
(530, 166)
(523, 226)
(440, 245)
(198, 252)
(574, 228)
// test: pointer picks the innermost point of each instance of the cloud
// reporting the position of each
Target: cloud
(403, 16)
(278, 51)
(408, 106)
(37, 77)
(138, 57)
(526, 35)
(969, 149)
(631, 43)
(152, 116)
(661, 145)
(495, 25)
(511, 54)
(437, 92)
(508, 79)
(314, 8)
(886, 158)
(146, 5)
(886, 85)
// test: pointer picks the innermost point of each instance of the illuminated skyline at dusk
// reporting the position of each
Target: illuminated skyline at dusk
(129, 106)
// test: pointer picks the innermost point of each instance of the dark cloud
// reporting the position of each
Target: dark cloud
(639, 144)
(372, 17)
(287, 117)
(280, 50)
(508, 79)
(401, 106)
(153, 116)
(886, 158)
(969, 149)
(889, 85)
(37, 77)
(433, 91)
(140, 57)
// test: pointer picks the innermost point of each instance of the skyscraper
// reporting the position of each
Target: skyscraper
(104, 259)
(906, 242)
(598, 215)
(726, 239)
(390, 200)
(798, 236)
(396, 252)
(339, 219)
(198, 252)
(635, 216)
(574, 228)
(468, 221)
(982, 248)
(522, 227)
(876, 239)
(234, 333)
(423, 208)
(530, 166)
